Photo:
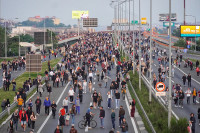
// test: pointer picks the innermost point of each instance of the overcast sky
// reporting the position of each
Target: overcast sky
(101, 9)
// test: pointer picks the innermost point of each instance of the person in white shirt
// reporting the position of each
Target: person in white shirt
(188, 94)
(84, 86)
(65, 104)
(90, 75)
(71, 95)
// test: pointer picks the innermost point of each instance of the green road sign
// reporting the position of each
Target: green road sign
(166, 24)
(135, 22)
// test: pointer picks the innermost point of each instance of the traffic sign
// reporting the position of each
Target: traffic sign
(160, 93)
(166, 24)
(160, 86)
(135, 22)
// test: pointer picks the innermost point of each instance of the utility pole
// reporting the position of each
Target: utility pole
(184, 13)
(44, 36)
(129, 30)
(133, 40)
(139, 48)
(170, 68)
(5, 40)
(51, 40)
(150, 76)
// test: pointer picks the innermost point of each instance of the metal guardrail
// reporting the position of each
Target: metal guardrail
(144, 112)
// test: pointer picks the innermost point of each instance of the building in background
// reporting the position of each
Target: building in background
(39, 19)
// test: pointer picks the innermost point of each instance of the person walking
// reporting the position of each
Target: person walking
(73, 113)
(29, 113)
(20, 102)
(3, 105)
(117, 99)
(189, 78)
(40, 89)
(38, 104)
(94, 99)
(88, 116)
(23, 120)
(193, 121)
(124, 126)
(73, 130)
(15, 118)
(188, 95)
(99, 100)
(53, 107)
(194, 95)
(33, 119)
(61, 121)
(133, 108)
(77, 103)
(181, 98)
(49, 90)
(101, 116)
(121, 115)
(84, 86)
(47, 104)
(65, 104)
(109, 99)
(71, 95)
(58, 130)
(198, 112)
(113, 119)
(184, 79)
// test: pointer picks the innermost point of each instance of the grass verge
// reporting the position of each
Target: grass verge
(20, 80)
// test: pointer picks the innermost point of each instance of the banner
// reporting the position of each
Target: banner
(80, 14)
(189, 31)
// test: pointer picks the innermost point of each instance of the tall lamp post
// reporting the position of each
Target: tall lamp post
(139, 49)
(195, 30)
(133, 40)
(19, 40)
(150, 76)
(5, 39)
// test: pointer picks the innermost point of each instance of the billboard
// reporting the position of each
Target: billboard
(39, 38)
(33, 63)
(189, 31)
(90, 22)
(143, 20)
(165, 17)
(80, 14)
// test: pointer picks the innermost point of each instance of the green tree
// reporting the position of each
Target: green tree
(180, 43)
(176, 32)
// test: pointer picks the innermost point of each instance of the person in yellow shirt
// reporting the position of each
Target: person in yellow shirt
(194, 95)
(20, 102)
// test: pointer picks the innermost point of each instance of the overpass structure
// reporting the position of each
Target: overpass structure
(69, 39)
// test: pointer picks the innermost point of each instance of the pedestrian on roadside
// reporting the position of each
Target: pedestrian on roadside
(193, 121)
(194, 95)
(73, 130)
(65, 104)
(58, 130)
(71, 95)
(84, 86)
(184, 79)
(77, 103)
(38, 104)
(124, 126)
(40, 89)
(181, 98)
(33, 119)
(90, 86)
(47, 104)
(99, 100)
(29, 113)
(132, 105)
(67, 119)
(199, 95)
(198, 112)
(53, 107)
(61, 121)
(3, 105)
(188, 94)
(94, 99)
(121, 115)
(15, 118)
(11, 127)
(73, 113)
(49, 90)
(117, 99)
(113, 119)
(109, 99)
(101, 116)
(80, 94)
(189, 78)
(20, 102)
(23, 120)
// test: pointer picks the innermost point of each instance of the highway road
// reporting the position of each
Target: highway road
(46, 124)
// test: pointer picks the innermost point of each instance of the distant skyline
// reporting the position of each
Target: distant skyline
(62, 9)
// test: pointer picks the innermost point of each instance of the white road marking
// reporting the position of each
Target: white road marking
(43, 124)
(132, 120)
(172, 81)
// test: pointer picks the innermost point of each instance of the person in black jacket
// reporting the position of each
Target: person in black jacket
(181, 97)
(24, 98)
(189, 78)
(15, 118)
(38, 103)
(53, 106)
(184, 79)
(58, 130)
(61, 121)
(124, 126)
(193, 121)
(199, 115)
(29, 113)
(101, 116)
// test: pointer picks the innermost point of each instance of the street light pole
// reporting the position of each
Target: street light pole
(195, 34)
(170, 68)
(133, 40)
(44, 36)
(129, 30)
(5, 40)
(150, 76)
(139, 49)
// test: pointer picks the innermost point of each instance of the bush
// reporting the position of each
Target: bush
(180, 43)
(179, 126)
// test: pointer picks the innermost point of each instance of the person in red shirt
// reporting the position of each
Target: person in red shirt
(23, 120)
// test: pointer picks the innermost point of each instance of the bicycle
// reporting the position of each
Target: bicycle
(82, 123)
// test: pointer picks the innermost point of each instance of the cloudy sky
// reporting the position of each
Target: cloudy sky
(101, 9)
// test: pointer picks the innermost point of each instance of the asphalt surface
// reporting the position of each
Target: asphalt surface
(56, 95)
